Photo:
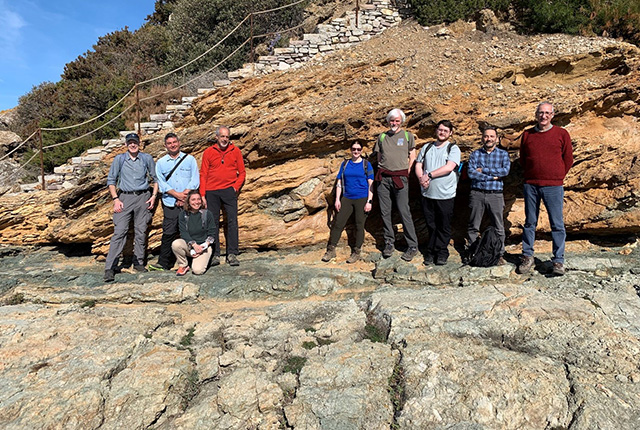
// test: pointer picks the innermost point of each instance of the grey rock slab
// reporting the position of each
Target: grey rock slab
(344, 386)
(159, 292)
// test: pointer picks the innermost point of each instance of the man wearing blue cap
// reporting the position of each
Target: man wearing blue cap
(128, 183)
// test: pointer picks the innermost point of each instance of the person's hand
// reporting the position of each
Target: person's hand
(367, 207)
(479, 169)
(198, 249)
(337, 205)
(425, 181)
(117, 206)
(151, 202)
(204, 202)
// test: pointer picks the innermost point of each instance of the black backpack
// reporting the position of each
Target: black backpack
(485, 251)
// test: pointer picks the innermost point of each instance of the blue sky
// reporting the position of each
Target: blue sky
(38, 37)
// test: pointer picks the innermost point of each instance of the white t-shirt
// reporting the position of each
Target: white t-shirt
(444, 187)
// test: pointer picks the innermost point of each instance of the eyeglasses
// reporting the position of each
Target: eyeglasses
(356, 149)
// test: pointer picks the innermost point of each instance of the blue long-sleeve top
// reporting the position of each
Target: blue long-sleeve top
(493, 164)
(185, 177)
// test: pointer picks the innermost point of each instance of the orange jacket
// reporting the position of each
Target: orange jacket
(221, 169)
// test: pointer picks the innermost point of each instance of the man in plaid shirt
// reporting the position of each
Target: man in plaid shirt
(487, 166)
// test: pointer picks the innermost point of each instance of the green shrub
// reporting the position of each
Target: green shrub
(554, 16)
(429, 12)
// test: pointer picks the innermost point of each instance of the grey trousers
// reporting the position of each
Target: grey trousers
(386, 190)
(134, 206)
(494, 204)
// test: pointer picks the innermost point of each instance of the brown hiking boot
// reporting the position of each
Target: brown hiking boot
(501, 262)
(526, 264)
(558, 269)
(355, 256)
(330, 254)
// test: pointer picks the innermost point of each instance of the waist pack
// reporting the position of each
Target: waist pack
(486, 250)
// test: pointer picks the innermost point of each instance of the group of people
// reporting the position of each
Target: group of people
(192, 199)
(546, 155)
(191, 203)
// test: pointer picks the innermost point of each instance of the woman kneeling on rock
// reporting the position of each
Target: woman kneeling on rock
(197, 229)
(353, 195)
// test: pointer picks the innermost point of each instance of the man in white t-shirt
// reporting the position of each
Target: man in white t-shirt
(435, 169)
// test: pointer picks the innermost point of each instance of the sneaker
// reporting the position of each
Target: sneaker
(182, 271)
(232, 260)
(557, 269)
(388, 250)
(441, 261)
(428, 260)
(215, 261)
(157, 268)
(526, 264)
(355, 256)
(109, 275)
(501, 262)
(330, 254)
(410, 253)
(140, 268)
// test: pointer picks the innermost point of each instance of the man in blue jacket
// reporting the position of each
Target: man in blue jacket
(177, 174)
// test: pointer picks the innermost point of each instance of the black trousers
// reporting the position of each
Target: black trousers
(437, 215)
(166, 258)
(349, 207)
(227, 199)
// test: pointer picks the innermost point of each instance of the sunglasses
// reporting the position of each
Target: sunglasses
(356, 149)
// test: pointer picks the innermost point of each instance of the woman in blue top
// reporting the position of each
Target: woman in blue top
(353, 195)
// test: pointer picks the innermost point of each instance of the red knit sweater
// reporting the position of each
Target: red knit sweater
(546, 156)
(221, 169)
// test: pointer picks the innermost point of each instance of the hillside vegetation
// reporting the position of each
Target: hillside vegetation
(180, 30)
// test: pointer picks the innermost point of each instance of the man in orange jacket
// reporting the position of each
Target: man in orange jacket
(221, 177)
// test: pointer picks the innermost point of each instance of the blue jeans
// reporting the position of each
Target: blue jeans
(553, 198)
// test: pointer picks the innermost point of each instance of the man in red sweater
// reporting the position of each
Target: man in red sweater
(546, 155)
(221, 177)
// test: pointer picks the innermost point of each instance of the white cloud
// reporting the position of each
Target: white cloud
(11, 35)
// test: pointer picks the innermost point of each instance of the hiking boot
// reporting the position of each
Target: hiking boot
(157, 268)
(410, 253)
(428, 260)
(140, 268)
(557, 269)
(388, 250)
(232, 260)
(182, 271)
(526, 264)
(501, 262)
(215, 261)
(441, 261)
(355, 256)
(109, 275)
(330, 254)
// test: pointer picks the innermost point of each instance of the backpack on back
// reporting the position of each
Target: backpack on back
(486, 250)
(460, 170)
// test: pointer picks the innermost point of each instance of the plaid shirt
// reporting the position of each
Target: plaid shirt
(494, 163)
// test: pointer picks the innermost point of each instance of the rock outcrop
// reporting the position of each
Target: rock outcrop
(294, 127)
(286, 342)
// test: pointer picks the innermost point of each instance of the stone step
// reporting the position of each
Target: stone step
(203, 91)
(222, 82)
(159, 117)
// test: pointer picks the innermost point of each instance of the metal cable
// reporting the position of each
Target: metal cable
(278, 8)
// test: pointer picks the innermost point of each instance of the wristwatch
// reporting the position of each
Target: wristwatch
(429, 175)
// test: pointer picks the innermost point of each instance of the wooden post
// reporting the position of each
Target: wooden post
(357, 13)
(138, 109)
(44, 186)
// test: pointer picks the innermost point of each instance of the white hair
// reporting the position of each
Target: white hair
(545, 103)
(393, 113)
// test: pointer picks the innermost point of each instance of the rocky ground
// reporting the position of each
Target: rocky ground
(284, 341)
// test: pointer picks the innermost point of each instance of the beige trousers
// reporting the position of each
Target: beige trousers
(181, 251)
